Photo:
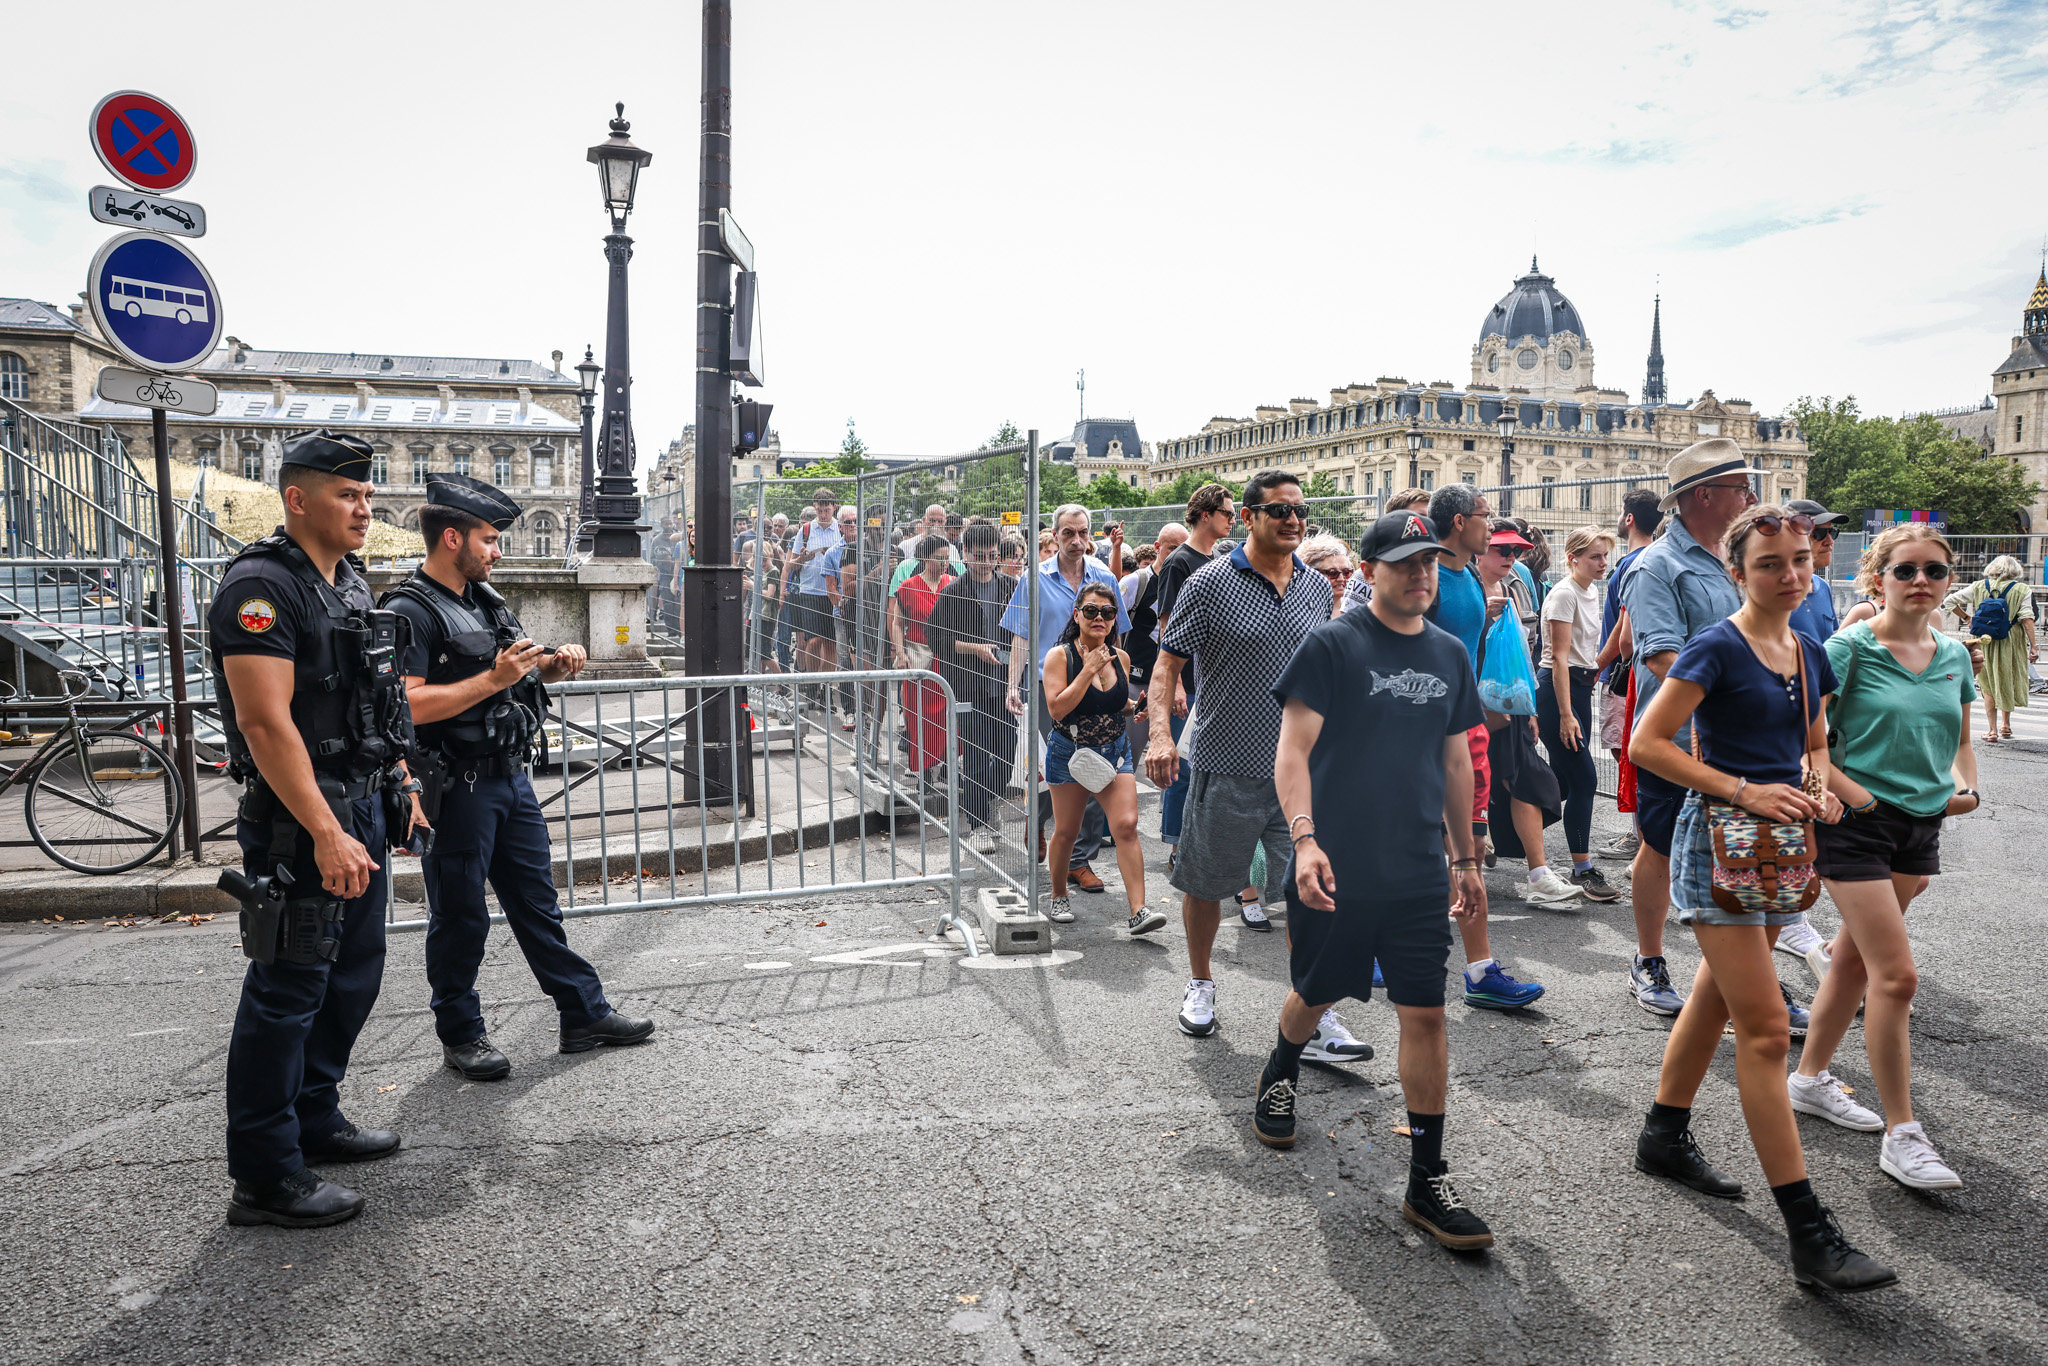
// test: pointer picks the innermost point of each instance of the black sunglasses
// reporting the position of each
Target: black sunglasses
(1280, 511)
(1825, 533)
(1906, 573)
(1099, 613)
(1770, 524)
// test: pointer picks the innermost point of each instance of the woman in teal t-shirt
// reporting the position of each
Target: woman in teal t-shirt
(1902, 762)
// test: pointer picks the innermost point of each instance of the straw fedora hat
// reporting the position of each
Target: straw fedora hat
(1699, 462)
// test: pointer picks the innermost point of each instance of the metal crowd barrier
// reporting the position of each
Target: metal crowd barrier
(674, 793)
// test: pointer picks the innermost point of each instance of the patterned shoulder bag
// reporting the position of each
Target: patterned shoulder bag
(1762, 865)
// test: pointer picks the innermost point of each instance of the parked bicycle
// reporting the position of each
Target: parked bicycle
(102, 796)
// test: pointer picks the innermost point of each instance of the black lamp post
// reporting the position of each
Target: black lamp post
(615, 505)
(586, 395)
(1414, 456)
(1505, 424)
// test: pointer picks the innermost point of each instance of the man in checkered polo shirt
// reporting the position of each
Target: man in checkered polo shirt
(1239, 618)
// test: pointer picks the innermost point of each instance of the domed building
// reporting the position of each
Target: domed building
(1575, 447)
(1533, 339)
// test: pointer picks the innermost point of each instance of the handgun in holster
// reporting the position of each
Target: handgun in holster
(277, 926)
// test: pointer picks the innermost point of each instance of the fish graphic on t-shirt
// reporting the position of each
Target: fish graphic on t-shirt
(1410, 685)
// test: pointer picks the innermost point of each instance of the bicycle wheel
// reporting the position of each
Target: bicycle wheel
(104, 801)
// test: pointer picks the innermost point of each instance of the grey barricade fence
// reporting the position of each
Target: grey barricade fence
(811, 615)
(635, 826)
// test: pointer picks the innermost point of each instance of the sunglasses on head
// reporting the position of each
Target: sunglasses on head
(1099, 613)
(1280, 511)
(1935, 571)
(1770, 524)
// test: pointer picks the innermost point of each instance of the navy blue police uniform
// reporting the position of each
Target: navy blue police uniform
(316, 961)
(488, 824)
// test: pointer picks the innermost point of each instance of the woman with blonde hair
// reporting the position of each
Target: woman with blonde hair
(1998, 612)
(1902, 709)
(1564, 695)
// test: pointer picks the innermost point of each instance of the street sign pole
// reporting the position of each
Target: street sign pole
(173, 591)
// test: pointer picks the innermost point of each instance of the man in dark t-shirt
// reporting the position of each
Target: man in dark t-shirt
(1371, 884)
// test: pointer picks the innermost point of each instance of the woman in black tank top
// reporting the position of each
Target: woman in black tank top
(1087, 691)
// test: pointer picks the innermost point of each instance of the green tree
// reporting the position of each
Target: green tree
(1180, 490)
(1057, 484)
(994, 485)
(853, 453)
(1878, 462)
(1321, 484)
(1107, 490)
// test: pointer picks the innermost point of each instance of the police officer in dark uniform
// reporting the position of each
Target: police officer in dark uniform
(475, 682)
(317, 726)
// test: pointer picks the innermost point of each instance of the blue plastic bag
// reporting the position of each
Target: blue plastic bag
(1507, 683)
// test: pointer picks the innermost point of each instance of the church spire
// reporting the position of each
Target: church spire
(2035, 319)
(1653, 382)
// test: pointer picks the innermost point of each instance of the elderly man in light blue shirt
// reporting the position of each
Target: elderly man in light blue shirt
(1676, 588)
(1060, 580)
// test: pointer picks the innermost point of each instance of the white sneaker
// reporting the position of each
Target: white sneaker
(1824, 1096)
(1622, 846)
(1909, 1159)
(988, 842)
(1198, 1009)
(1802, 940)
(1548, 890)
(1058, 911)
(1332, 1042)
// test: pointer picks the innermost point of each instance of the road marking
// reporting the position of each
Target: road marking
(43, 1041)
(884, 955)
(146, 1033)
(989, 962)
(766, 967)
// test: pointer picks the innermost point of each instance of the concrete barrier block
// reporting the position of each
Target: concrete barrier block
(1008, 924)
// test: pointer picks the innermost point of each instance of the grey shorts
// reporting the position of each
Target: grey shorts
(1226, 818)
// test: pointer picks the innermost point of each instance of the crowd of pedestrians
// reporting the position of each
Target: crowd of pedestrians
(1246, 661)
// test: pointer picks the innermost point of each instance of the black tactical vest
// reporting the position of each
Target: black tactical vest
(470, 636)
(348, 698)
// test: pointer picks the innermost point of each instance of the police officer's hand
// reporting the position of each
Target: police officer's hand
(567, 663)
(419, 819)
(345, 865)
(515, 661)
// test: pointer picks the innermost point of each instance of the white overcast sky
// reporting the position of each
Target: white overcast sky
(958, 203)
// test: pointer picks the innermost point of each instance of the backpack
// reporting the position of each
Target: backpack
(1993, 617)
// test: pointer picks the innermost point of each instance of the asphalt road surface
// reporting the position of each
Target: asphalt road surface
(845, 1144)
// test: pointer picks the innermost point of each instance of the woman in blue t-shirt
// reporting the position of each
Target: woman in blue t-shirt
(1902, 712)
(1753, 690)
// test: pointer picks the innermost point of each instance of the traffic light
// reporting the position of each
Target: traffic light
(749, 425)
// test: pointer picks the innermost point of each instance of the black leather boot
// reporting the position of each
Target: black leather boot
(613, 1029)
(1675, 1155)
(350, 1144)
(1821, 1255)
(477, 1059)
(301, 1200)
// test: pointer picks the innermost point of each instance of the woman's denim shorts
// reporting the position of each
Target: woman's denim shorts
(1692, 874)
(1058, 749)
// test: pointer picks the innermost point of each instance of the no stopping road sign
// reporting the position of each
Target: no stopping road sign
(144, 141)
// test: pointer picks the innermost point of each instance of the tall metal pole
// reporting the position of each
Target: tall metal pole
(586, 496)
(174, 630)
(712, 611)
(617, 505)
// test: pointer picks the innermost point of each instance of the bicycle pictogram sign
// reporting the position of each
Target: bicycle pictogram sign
(144, 141)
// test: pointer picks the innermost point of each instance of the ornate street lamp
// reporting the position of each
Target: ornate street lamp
(1505, 424)
(1414, 456)
(586, 396)
(615, 505)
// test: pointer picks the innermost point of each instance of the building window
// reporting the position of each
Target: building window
(380, 469)
(419, 467)
(2019, 429)
(1428, 481)
(209, 458)
(1549, 452)
(462, 463)
(501, 468)
(544, 471)
(252, 464)
(1429, 443)
(1585, 452)
(1710, 429)
(1469, 477)
(13, 376)
(1585, 497)
(1549, 491)
(1634, 453)
(1786, 495)
(1471, 445)
(1347, 483)
(544, 536)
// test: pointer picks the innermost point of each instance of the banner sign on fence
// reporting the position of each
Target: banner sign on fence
(1877, 519)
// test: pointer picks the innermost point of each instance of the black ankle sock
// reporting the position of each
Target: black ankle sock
(1425, 1140)
(1790, 1194)
(1286, 1059)
(1667, 1121)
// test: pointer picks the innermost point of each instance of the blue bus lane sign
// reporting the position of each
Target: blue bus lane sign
(154, 301)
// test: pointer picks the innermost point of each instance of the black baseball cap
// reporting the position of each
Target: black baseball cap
(1821, 516)
(1397, 536)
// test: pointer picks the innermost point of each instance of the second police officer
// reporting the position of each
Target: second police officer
(316, 725)
(474, 680)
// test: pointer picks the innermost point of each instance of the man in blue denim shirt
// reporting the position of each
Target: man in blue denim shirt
(1676, 588)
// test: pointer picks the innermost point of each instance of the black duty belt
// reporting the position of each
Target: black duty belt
(354, 789)
(488, 766)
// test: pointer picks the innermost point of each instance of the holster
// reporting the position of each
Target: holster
(259, 922)
(311, 930)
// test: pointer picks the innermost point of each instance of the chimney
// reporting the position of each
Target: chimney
(364, 393)
(526, 397)
(278, 389)
(447, 396)
(556, 356)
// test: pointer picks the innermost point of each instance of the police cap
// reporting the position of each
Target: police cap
(347, 456)
(472, 496)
